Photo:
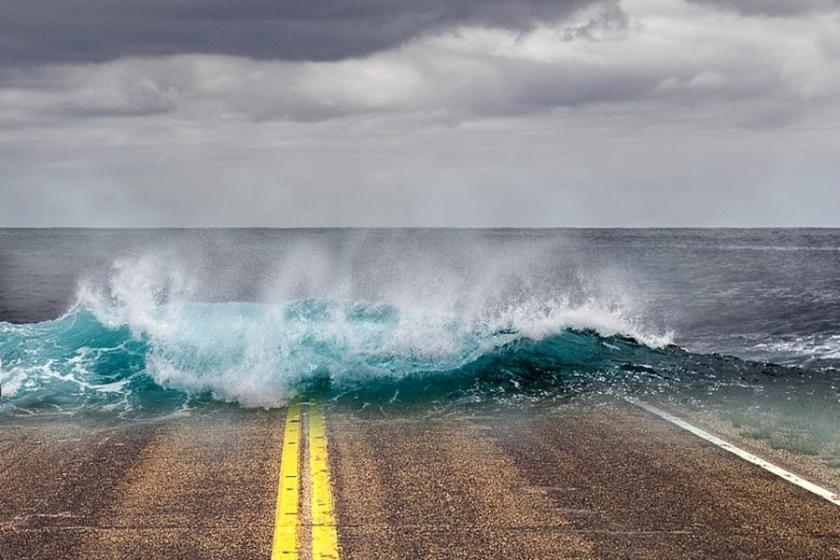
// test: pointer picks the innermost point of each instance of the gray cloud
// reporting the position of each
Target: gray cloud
(773, 7)
(639, 112)
(70, 31)
(600, 55)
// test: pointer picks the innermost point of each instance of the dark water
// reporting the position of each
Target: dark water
(138, 321)
(765, 294)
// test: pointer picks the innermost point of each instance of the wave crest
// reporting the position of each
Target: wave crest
(257, 354)
(143, 339)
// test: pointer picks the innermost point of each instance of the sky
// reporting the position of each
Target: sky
(491, 113)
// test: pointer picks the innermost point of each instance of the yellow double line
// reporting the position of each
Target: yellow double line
(324, 539)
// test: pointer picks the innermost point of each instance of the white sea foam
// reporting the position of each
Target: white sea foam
(258, 353)
(800, 348)
(11, 380)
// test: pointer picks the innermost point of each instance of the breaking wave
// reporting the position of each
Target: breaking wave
(130, 359)
(144, 345)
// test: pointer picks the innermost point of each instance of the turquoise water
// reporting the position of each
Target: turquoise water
(178, 357)
(261, 355)
(160, 322)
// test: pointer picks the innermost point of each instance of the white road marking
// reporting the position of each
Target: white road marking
(745, 455)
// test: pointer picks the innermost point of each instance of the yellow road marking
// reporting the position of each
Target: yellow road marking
(324, 537)
(285, 545)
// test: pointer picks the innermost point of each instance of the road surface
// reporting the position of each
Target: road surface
(589, 480)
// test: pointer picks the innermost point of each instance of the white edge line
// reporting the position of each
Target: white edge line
(745, 455)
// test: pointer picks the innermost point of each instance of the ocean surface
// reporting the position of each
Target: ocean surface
(140, 323)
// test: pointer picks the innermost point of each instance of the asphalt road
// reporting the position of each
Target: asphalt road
(191, 488)
(585, 480)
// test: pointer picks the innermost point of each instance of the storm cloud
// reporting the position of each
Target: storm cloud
(774, 7)
(66, 31)
(631, 112)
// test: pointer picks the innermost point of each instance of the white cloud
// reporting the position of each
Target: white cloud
(461, 115)
(677, 56)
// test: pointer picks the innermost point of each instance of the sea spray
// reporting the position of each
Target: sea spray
(165, 331)
(142, 333)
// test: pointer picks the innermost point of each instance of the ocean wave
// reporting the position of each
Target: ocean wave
(813, 350)
(195, 354)
(121, 358)
(143, 344)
